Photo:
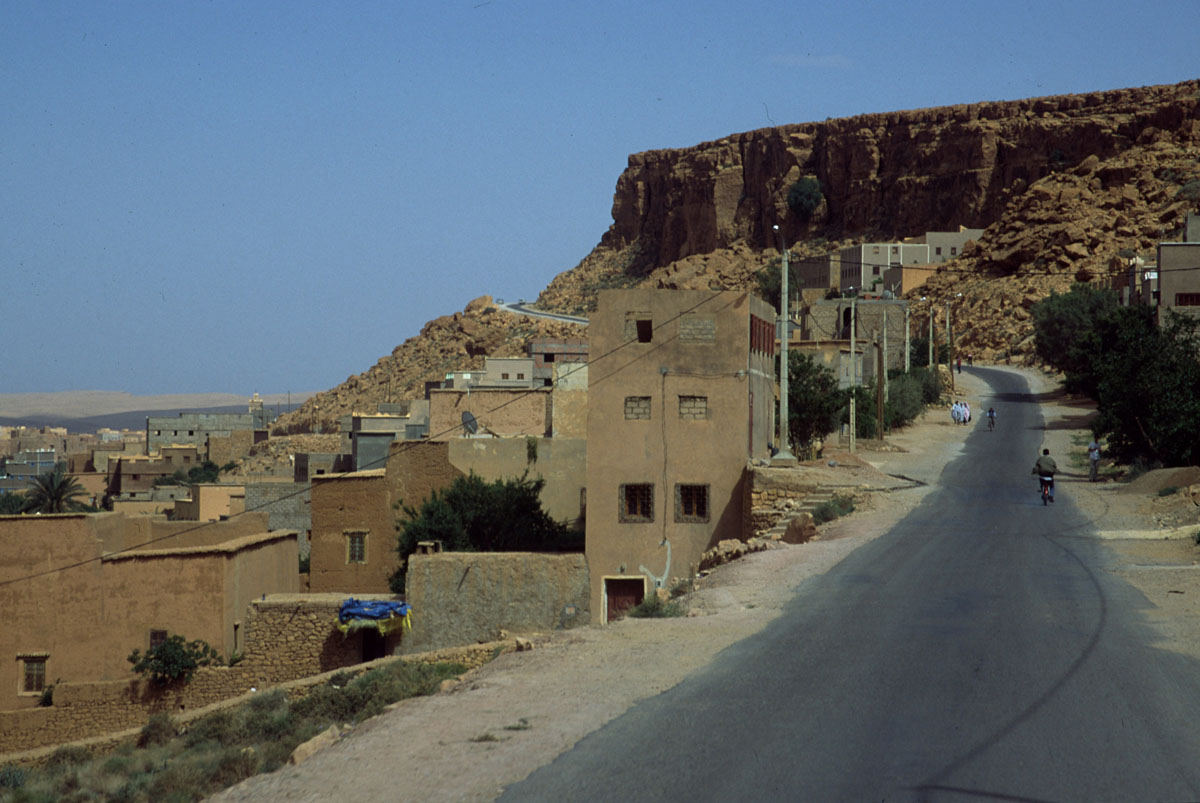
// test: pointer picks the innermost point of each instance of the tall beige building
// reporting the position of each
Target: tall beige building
(681, 395)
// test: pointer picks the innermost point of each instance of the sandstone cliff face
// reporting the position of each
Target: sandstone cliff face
(894, 174)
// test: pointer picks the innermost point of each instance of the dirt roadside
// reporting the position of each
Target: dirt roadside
(506, 719)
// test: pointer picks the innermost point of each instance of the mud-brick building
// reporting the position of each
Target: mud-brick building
(80, 592)
(682, 398)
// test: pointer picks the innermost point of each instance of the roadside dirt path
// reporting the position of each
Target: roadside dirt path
(519, 712)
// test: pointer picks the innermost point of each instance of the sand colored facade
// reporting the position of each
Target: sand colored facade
(353, 544)
(79, 624)
(504, 413)
(681, 401)
(568, 400)
(1178, 279)
(211, 502)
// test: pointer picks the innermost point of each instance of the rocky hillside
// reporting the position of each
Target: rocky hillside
(1067, 188)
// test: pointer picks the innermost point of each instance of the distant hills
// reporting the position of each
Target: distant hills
(90, 410)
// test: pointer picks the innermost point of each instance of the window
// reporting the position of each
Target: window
(520, 376)
(191, 432)
(691, 503)
(938, 250)
(1187, 299)
(504, 376)
(875, 270)
(895, 249)
(637, 503)
(694, 408)
(548, 358)
(874, 249)
(356, 546)
(637, 408)
(953, 250)
(645, 330)
(157, 637)
(33, 672)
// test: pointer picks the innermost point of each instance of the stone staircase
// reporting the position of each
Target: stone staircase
(807, 504)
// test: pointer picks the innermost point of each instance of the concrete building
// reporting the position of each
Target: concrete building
(210, 502)
(196, 428)
(80, 623)
(863, 266)
(682, 399)
(1178, 279)
(497, 412)
(548, 353)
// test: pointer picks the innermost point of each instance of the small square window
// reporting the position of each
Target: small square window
(938, 250)
(874, 249)
(33, 680)
(356, 546)
(895, 249)
(637, 502)
(953, 250)
(157, 637)
(637, 407)
(548, 358)
(504, 376)
(520, 376)
(691, 503)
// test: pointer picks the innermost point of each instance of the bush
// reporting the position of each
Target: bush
(174, 659)
(804, 197)
(12, 777)
(653, 607)
(835, 508)
(158, 730)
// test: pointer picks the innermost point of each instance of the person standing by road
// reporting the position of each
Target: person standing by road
(1093, 460)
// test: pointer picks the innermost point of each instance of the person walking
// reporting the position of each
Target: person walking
(960, 365)
(1093, 460)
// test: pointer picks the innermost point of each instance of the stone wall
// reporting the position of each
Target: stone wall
(287, 504)
(768, 492)
(466, 597)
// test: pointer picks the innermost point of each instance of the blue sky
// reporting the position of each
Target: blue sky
(268, 196)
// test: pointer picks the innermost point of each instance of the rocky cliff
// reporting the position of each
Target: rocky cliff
(1067, 188)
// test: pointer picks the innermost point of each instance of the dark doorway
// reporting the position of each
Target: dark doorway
(372, 645)
(623, 593)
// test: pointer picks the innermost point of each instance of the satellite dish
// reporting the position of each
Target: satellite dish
(469, 423)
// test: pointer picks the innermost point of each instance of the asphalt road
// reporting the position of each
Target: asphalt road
(977, 652)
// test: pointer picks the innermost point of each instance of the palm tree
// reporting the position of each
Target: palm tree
(54, 492)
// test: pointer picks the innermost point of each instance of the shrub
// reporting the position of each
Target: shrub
(835, 508)
(653, 607)
(12, 777)
(158, 730)
(174, 659)
(68, 755)
(804, 197)
(1170, 490)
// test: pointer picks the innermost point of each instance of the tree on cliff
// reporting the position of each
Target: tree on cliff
(804, 197)
(472, 515)
(54, 492)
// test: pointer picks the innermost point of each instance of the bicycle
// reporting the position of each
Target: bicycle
(1047, 486)
(991, 423)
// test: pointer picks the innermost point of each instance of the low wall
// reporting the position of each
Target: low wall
(468, 597)
(58, 719)
(767, 490)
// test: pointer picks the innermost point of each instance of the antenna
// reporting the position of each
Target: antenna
(470, 424)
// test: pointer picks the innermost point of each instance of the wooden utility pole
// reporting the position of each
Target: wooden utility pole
(885, 357)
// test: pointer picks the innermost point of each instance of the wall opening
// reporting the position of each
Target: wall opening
(621, 594)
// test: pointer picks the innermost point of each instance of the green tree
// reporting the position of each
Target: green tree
(1148, 392)
(12, 504)
(768, 280)
(1073, 332)
(174, 659)
(472, 514)
(54, 492)
(814, 400)
(804, 197)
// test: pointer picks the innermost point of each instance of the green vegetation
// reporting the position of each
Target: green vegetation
(836, 507)
(55, 492)
(804, 197)
(1170, 490)
(918, 352)
(12, 504)
(1145, 378)
(171, 762)
(173, 659)
(814, 401)
(908, 395)
(768, 280)
(208, 471)
(473, 515)
(653, 607)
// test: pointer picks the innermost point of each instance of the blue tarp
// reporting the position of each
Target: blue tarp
(373, 609)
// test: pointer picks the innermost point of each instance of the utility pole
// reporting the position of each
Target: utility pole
(907, 339)
(784, 456)
(885, 356)
(931, 365)
(949, 348)
(880, 367)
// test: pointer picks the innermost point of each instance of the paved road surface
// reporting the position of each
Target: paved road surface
(525, 309)
(977, 652)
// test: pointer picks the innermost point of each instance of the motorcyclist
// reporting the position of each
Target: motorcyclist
(1045, 468)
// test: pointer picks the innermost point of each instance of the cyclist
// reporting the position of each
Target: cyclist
(991, 416)
(1045, 468)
